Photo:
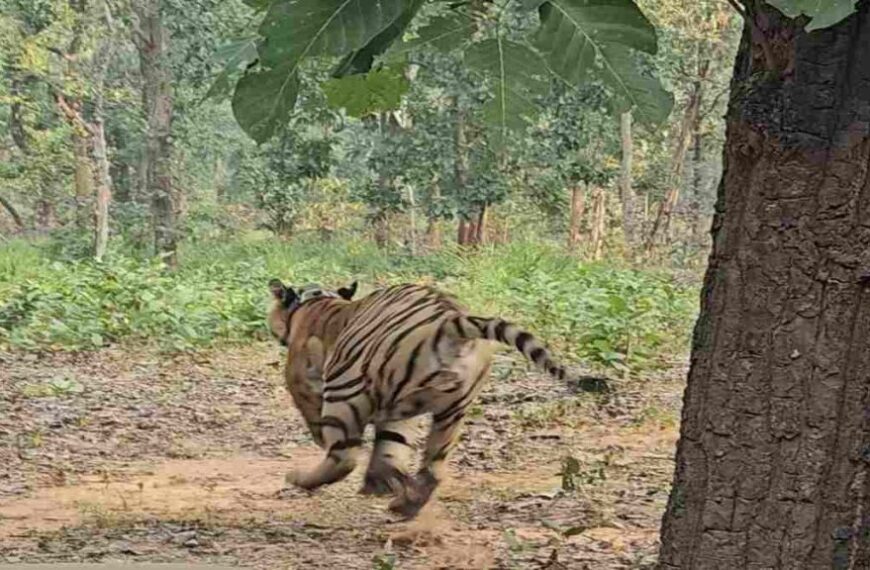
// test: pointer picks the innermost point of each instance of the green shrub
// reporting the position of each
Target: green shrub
(613, 317)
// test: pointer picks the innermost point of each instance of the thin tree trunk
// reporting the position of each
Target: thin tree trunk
(598, 223)
(684, 140)
(12, 212)
(433, 229)
(382, 231)
(16, 119)
(413, 214)
(152, 41)
(103, 182)
(578, 207)
(697, 187)
(772, 465)
(83, 177)
(626, 193)
(480, 226)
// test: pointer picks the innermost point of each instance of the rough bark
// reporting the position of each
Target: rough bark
(103, 183)
(152, 41)
(772, 463)
(578, 208)
(626, 192)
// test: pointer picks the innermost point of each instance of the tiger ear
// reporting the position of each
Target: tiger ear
(347, 293)
(282, 293)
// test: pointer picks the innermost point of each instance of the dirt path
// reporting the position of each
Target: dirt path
(139, 457)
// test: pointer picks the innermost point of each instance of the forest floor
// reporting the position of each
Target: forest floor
(136, 456)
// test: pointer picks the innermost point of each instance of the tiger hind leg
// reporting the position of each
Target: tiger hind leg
(443, 436)
(393, 452)
(342, 424)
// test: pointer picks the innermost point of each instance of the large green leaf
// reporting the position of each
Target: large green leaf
(295, 29)
(361, 60)
(264, 99)
(363, 94)
(444, 33)
(633, 88)
(518, 75)
(823, 13)
(235, 57)
(577, 37)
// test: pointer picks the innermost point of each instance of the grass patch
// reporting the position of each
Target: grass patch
(613, 317)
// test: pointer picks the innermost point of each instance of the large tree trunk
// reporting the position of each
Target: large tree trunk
(152, 41)
(773, 459)
(626, 193)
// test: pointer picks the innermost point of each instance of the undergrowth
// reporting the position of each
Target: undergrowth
(614, 317)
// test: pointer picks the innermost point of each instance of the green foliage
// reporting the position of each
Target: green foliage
(822, 14)
(364, 94)
(618, 318)
(574, 37)
(578, 37)
(518, 76)
(609, 317)
(292, 32)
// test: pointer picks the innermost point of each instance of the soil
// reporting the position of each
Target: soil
(130, 455)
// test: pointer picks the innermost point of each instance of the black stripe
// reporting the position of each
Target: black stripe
(537, 354)
(350, 383)
(394, 436)
(344, 397)
(455, 407)
(357, 417)
(499, 330)
(409, 372)
(439, 334)
(429, 377)
(480, 323)
(522, 340)
(332, 421)
(345, 444)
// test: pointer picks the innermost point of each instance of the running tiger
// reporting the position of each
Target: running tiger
(387, 359)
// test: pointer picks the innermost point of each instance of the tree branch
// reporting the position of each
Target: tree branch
(12, 212)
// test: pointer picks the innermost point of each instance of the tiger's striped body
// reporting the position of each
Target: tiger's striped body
(389, 358)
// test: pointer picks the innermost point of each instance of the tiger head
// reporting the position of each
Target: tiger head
(287, 301)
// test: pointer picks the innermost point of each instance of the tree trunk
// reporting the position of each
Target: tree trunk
(598, 223)
(684, 140)
(103, 183)
(152, 42)
(697, 187)
(16, 217)
(382, 231)
(774, 451)
(626, 193)
(480, 227)
(83, 178)
(578, 207)
(16, 118)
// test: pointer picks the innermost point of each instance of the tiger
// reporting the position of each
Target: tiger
(388, 358)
